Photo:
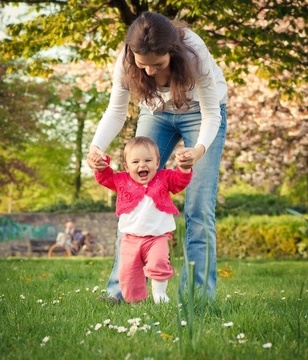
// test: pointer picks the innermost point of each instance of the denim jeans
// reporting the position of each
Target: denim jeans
(200, 202)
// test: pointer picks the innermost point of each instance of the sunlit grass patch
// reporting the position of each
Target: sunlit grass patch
(256, 314)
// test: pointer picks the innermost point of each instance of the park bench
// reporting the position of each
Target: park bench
(40, 246)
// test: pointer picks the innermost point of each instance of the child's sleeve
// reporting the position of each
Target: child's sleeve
(178, 180)
(106, 178)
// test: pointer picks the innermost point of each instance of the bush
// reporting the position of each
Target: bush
(239, 204)
(255, 237)
(79, 206)
(236, 204)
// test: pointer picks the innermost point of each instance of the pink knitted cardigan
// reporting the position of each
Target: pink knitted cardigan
(130, 193)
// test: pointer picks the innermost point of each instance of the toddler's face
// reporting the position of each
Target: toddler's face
(141, 164)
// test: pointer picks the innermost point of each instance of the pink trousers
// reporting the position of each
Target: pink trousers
(141, 257)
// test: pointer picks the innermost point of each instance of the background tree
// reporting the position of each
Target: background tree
(76, 109)
(42, 139)
(21, 105)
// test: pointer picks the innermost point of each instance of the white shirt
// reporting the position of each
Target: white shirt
(210, 91)
(146, 219)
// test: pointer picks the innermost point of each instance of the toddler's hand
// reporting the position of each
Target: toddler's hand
(187, 157)
(97, 159)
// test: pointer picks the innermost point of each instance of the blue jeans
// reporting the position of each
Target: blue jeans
(200, 202)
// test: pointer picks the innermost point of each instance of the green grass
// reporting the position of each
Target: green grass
(265, 300)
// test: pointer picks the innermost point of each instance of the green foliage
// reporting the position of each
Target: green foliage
(257, 236)
(241, 204)
(82, 205)
(270, 35)
(304, 228)
(245, 33)
(43, 142)
(21, 102)
(243, 199)
(261, 236)
(296, 189)
(234, 204)
(49, 175)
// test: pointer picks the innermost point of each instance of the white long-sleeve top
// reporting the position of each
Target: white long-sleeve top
(209, 92)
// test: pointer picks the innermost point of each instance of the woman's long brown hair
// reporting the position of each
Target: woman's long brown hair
(154, 33)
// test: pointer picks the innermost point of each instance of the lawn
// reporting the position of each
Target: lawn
(50, 310)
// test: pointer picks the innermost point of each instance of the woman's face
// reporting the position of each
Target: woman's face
(152, 63)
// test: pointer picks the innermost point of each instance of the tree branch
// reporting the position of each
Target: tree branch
(127, 15)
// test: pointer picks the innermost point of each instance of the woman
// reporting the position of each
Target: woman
(182, 95)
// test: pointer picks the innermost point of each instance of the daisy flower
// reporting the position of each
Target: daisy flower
(228, 324)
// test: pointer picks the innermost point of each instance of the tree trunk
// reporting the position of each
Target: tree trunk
(78, 160)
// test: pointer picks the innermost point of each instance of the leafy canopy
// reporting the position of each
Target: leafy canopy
(268, 34)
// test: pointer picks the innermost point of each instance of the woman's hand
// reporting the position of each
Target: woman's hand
(187, 157)
(97, 159)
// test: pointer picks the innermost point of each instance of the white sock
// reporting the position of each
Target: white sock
(159, 291)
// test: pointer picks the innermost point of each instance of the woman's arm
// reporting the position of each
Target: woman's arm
(114, 117)
(208, 93)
